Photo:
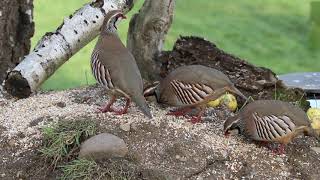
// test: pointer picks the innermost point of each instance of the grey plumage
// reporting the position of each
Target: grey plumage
(115, 68)
(194, 85)
(270, 120)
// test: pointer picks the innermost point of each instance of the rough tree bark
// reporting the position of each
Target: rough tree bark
(57, 47)
(16, 29)
(147, 32)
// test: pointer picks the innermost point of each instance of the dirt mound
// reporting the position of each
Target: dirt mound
(165, 147)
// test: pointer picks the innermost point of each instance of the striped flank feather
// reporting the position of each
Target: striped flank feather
(189, 93)
(272, 127)
(100, 72)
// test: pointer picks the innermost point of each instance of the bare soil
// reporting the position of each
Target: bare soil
(163, 148)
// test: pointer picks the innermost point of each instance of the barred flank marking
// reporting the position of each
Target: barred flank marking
(100, 72)
(272, 127)
(189, 93)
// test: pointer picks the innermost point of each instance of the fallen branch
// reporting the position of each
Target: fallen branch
(57, 47)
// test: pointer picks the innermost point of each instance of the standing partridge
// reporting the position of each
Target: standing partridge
(270, 121)
(192, 86)
(114, 67)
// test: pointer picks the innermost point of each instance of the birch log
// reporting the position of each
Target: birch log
(147, 31)
(57, 47)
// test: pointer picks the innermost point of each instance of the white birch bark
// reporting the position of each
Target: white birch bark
(147, 33)
(57, 47)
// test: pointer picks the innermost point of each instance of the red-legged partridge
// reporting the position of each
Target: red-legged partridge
(192, 86)
(270, 121)
(115, 68)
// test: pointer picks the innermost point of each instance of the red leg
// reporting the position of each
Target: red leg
(180, 111)
(125, 109)
(107, 107)
(279, 150)
(196, 119)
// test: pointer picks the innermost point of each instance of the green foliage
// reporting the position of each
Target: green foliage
(315, 36)
(315, 12)
(88, 169)
(272, 33)
(79, 169)
(62, 138)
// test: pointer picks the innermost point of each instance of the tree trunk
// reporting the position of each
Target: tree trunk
(147, 32)
(16, 27)
(55, 48)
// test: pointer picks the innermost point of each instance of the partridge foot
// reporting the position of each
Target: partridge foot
(279, 150)
(179, 112)
(195, 119)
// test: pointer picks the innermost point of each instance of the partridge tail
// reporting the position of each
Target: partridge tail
(142, 105)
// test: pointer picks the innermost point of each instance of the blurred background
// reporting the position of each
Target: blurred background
(283, 35)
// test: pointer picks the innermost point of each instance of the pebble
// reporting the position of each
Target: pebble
(12, 142)
(61, 104)
(316, 149)
(125, 127)
(103, 146)
(134, 126)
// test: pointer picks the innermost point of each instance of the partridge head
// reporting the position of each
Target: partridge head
(192, 86)
(270, 121)
(114, 67)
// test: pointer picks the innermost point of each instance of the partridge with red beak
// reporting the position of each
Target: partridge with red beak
(270, 121)
(192, 86)
(115, 68)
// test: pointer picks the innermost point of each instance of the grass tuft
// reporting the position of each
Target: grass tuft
(79, 169)
(63, 138)
(88, 169)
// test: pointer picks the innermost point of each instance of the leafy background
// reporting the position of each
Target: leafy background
(272, 33)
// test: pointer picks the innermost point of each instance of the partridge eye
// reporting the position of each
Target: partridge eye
(115, 22)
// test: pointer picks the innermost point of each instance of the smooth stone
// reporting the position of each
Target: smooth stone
(308, 81)
(103, 146)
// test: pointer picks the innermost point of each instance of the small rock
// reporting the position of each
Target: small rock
(3, 175)
(183, 159)
(103, 146)
(125, 127)
(19, 174)
(134, 126)
(61, 104)
(178, 157)
(316, 149)
(12, 142)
